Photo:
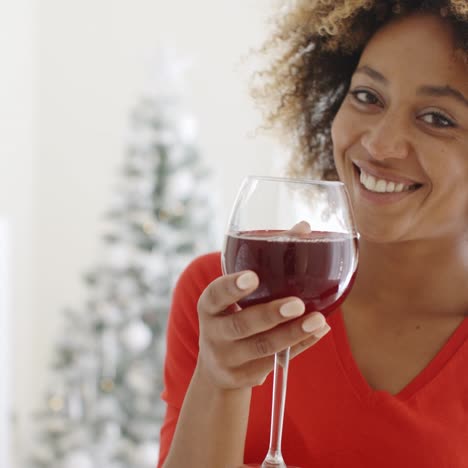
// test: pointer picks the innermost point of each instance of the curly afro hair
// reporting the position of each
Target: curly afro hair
(313, 51)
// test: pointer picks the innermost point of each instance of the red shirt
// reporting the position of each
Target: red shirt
(333, 418)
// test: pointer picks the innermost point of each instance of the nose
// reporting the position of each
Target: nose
(387, 138)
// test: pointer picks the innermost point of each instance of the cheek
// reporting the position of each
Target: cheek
(446, 167)
(337, 130)
(341, 138)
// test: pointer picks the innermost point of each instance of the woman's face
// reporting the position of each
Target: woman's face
(400, 138)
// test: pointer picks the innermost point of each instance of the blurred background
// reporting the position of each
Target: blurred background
(84, 86)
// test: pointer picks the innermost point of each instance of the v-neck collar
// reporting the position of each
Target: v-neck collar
(360, 384)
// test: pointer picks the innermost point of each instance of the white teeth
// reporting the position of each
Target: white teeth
(368, 181)
(380, 185)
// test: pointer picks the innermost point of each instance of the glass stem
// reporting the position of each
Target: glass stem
(274, 457)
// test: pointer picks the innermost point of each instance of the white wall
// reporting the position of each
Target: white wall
(91, 67)
(17, 159)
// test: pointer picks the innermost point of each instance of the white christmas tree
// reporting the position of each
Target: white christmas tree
(103, 406)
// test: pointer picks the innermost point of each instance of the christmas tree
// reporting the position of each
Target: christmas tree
(103, 407)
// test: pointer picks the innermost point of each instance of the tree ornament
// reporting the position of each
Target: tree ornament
(56, 403)
(136, 336)
(145, 454)
(78, 459)
(107, 385)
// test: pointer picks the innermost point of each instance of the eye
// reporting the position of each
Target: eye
(364, 96)
(438, 120)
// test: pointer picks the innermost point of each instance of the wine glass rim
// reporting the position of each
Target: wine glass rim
(296, 180)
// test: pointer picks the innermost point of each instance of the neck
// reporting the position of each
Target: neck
(417, 278)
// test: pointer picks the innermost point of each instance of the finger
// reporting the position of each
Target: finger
(303, 227)
(252, 373)
(256, 372)
(309, 341)
(258, 318)
(225, 291)
(279, 338)
(302, 260)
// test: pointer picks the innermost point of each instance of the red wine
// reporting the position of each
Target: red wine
(318, 267)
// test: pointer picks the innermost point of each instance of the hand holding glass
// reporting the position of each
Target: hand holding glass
(300, 239)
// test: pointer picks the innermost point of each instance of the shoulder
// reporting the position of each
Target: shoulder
(193, 281)
(183, 326)
(205, 265)
(200, 272)
(182, 332)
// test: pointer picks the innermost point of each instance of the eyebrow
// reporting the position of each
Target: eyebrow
(443, 91)
(374, 74)
(426, 90)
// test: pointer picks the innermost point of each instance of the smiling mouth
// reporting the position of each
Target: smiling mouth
(379, 185)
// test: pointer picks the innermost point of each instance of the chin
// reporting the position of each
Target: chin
(379, 233)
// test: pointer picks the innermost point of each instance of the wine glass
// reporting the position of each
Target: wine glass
(299, 237)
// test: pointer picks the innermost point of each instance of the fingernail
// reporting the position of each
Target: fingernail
(314, 322)
(293, 308)
(247, 280)
(322, 332)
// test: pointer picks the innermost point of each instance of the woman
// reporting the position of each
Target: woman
(385, 382)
